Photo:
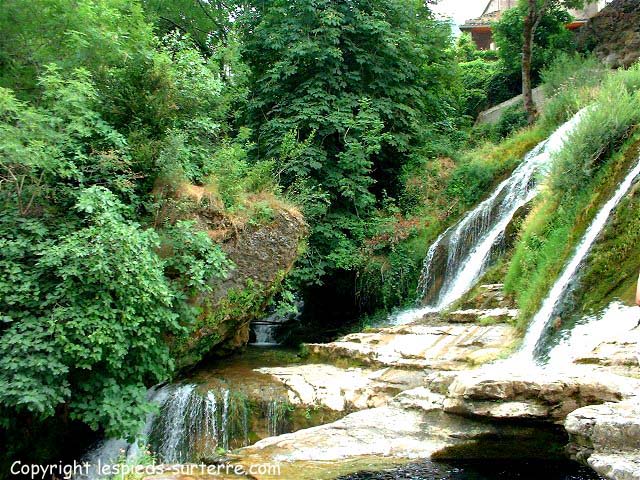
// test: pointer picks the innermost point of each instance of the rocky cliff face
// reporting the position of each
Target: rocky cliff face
(614, 34)
(263, 245)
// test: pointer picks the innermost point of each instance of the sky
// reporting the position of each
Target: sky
(460, 10)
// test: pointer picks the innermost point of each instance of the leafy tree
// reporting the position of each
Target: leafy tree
(48, 151)
(357, 82)
(92, 34)
(207, 23)
(467, 51)
(535, 11)
(475, 78)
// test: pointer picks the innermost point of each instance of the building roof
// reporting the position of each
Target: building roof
(483, 21)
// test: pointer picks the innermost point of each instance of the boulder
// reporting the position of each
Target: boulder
(607, 438)
(614, 34)
(262, 254)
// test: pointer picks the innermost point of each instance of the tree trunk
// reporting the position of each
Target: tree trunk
(530, 22)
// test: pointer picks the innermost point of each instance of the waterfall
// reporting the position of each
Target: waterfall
(459, 256)
(265, 334)
(192, 424)
(111, 451)
(540, 321)
(272, 330)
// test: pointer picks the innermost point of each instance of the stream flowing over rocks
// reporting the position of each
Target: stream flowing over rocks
(443, 385)
(450, 410)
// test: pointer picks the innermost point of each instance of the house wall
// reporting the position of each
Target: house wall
(482, 38)
(589, 10)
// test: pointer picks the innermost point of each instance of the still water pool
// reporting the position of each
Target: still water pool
(485, 470)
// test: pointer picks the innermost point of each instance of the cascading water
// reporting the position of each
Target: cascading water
(193, 423)
(265, 334)
(470, 245)
(532, 339)
(617, 321)
(272, 330)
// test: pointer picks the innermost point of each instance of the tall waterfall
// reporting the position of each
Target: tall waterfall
(545, 314)
(459, 257)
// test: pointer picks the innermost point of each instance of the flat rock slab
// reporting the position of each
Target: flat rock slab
(442, 347)
(501, 391)
(340, 389)
(412, 426)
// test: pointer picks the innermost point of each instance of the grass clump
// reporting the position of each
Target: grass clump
(569, 84)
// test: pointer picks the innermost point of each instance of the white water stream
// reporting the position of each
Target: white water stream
(470, 243)
(545, 314)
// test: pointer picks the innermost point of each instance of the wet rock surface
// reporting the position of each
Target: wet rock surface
(500, 409)
(480, 471)
(506, 393)
(343, 389)
(421, 345)
(420, 392)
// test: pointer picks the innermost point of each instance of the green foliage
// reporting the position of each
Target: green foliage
(551, 37)
(612, 267)
(476, 77)
(357, 93)
(470, 182)
(605, 127)
(193, 260)
(570, 83)
(466, 50)
(479, 168)
(49, 150)
(95, 113)
(92, 34)
(83, 316)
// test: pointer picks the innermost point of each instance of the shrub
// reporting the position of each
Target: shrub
(601, 131)
(570, 83)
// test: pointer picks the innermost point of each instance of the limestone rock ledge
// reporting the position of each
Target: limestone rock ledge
(343, 389)
(413, 425)
(607, 438)
(420, 346)
(501, 392)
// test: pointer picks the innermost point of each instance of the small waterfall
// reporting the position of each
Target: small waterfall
(272, 330)
(111, 451)
(265, 334)
(192, 424)
(540, 321)
(459, 256)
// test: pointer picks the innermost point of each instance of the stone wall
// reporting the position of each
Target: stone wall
(614, 34)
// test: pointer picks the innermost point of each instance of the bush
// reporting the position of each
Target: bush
(84, 315)
(601, 131)
(475, 77)
(570, 83)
